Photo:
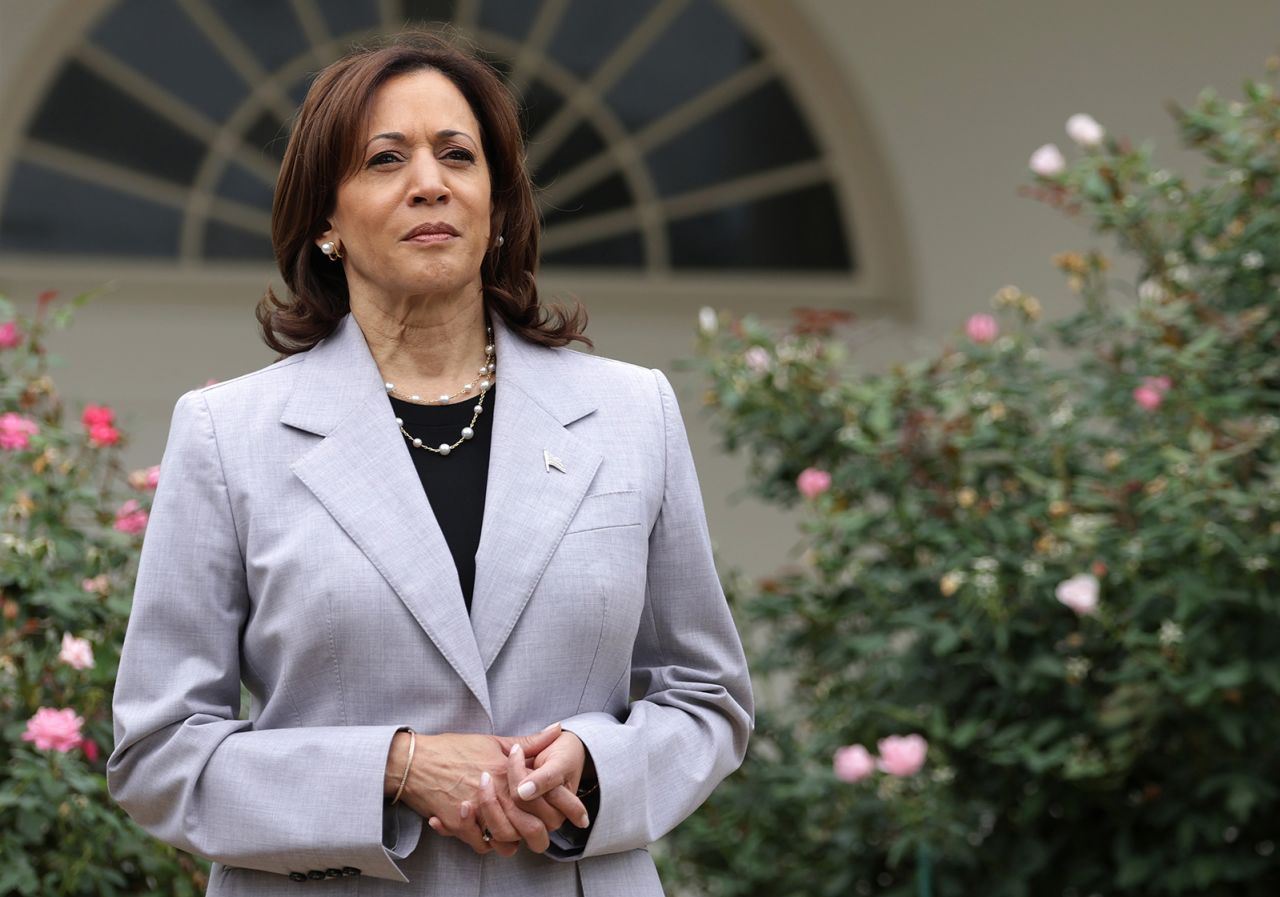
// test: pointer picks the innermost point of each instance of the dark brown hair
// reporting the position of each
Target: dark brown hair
(323, 152)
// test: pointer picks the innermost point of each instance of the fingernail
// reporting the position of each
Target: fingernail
(550, 727)
(485, 780)
(465, 810)
(434, 823)
(527, 790)
(584, 821)
(514, 749)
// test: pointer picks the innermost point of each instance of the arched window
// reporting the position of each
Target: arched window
(664, 135)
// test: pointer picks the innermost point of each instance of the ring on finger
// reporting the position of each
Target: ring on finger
(486, 836)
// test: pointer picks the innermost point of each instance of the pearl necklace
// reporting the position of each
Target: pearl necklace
(486, 371)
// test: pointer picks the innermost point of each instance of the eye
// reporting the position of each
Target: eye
(384, 158)
(458, 154)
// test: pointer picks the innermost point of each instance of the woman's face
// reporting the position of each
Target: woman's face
(421, 165)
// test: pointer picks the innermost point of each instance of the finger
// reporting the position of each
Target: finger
(517, 769)
(570, 805)
(533, 744)
(542, 780)
(491, 813)
(530, 827)
(549, 816)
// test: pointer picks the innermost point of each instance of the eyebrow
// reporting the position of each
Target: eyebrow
(396, 135)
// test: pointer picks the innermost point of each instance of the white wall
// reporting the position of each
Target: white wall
(956, 94)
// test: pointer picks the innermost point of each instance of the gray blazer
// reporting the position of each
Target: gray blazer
(291, 546)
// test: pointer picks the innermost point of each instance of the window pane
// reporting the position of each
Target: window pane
(270, 30)
(699, 49)
(590, 30)
(47, 211)
(161, 42)
(512, 18)
(268, 135)
(605, 196)
(84, 113)
(346, 16)
(225, 241)
(760, 131)
(242, 185)
(539, 103)
(582, 143)
(794, 230)
(626, 251)
(431, 11)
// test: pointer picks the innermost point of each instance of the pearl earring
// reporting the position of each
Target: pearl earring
(331, 249)
(501, 239)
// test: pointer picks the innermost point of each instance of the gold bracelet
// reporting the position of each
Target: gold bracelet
(590, 790)
(413, 742)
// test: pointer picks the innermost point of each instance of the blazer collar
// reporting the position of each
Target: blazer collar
(362, 473)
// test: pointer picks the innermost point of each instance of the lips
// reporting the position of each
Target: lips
(437, 229)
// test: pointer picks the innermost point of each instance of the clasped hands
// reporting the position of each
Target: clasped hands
(518, 789)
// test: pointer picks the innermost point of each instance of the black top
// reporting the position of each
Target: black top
(455, 483)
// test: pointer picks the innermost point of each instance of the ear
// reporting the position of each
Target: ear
(330, 233)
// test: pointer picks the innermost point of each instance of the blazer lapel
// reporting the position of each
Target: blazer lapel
(528, 503)
(361, 472)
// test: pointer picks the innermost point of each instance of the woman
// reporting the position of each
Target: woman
(463, 571)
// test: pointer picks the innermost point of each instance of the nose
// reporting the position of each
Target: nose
(428, 185)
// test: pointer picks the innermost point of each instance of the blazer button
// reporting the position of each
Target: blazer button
(316, 874)
(333, 873)
(350, 870)
(298, 876)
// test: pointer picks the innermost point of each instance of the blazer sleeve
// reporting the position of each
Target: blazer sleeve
(184, 767)
(692, 710)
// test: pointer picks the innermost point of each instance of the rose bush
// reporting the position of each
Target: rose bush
(1048, 552)
(69, 540)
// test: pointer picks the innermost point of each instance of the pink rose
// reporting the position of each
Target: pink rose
(90, 750)
(1080, 593)
(812, 482)
(1047, 161)
(10, 337)
(16, 431)
(902, 755)
(1151, 393)
(982, 329)
(98, 585)
(1085, 130)
(103, 435)
(76, 652)
(130, 518)
(853, 763)
(757, 358)
(145, 480)
(54, 730)
(97, 416)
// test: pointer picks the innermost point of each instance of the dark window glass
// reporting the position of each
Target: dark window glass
(793, 230)
(48, 211)
(430, 10)
(270, 30)
(226, 241)
(699, 49)
(298, 90)
(626, 251)
(161, 42)
(582, 144)
(590, 30)
(606, 196)
(538, 104)
(268, 135)
(242, 185)
(346, 16)
(762, 130)
(512, 18)
(84, 113)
